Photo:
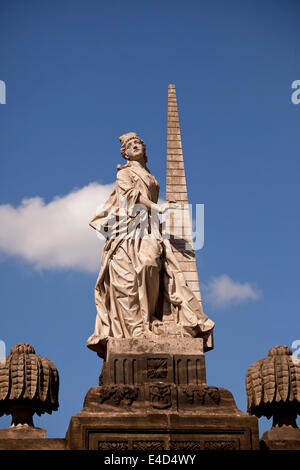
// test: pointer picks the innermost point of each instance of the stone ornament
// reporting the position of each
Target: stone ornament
(28, 384)
(202, 395)
(221, 445)
(157, 368)
(273, 387)
(160, 396)
(118, 393)
(113, 445)
(148, 445)
(185, 445)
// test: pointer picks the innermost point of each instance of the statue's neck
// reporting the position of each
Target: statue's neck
(137, 164)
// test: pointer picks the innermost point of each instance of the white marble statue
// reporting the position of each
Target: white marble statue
(140, 283)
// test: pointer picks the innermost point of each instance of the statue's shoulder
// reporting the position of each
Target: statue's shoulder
(122, 171)
(127, 173)
(124, 175)
(122, 167)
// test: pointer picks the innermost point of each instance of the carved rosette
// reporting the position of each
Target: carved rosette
(28, 384)
(273, 387)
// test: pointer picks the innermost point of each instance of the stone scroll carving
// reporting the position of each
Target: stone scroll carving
(202, 395)
(117, 394)
(112, 445)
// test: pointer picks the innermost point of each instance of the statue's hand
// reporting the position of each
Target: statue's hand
(167, 205)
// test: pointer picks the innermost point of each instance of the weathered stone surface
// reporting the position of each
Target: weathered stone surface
(152, 394)
(174, 137)
(273, 389)
(142, 361)
(33, 444)
(273, 386)
(22, 432)
(175, 165)
(175, 151)
(28, 384)
(281, 438)
(175, 180)
(173, 113)
(164, 430)
(176, 190)
(154, 345)
(174, 144)
(172, 156)
(173, 131)
(160, 396)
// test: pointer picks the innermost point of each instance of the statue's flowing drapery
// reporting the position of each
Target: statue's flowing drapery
(139, 274)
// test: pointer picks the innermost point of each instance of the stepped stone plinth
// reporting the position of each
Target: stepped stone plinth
(152, 395)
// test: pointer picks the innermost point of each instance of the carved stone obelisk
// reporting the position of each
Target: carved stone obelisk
(176, 190)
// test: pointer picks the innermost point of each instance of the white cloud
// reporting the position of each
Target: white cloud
(222, 291)
(57, 234)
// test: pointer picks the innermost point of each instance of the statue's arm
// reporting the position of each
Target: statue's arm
(155, 207)
(151, 206)
(127, 188)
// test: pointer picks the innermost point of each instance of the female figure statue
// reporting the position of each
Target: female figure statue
(140, 281)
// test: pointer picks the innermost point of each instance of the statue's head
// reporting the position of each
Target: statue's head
(133, 148)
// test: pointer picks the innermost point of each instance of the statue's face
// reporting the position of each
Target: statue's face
(135, 150)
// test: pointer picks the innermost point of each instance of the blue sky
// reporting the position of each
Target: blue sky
(79, 74)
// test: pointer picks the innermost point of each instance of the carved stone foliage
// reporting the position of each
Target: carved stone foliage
(273, 386)
(112, 445)
(118, 394)
(148, 445)
(157, 368)
(160, 396)
(29, 382)
(202, 395)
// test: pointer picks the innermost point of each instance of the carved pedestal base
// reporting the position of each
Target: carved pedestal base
(162, 431)
(153, 396)
(24, 437)
(281, 438)
(22, 432)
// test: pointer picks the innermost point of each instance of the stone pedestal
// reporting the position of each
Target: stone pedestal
(281, 438)
(152, 395)
(22, 432)
(25, 437)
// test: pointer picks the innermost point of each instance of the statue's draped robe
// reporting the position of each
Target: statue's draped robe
(139, 272)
